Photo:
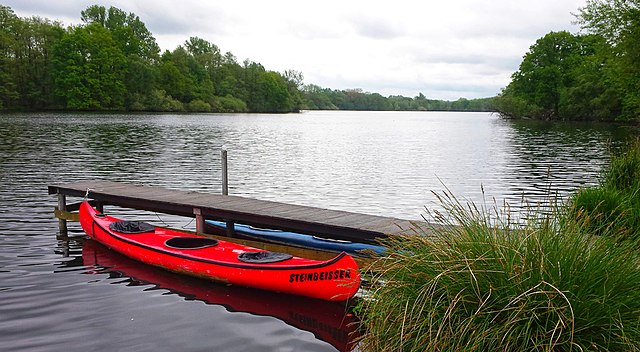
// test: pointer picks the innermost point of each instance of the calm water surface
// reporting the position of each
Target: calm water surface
(73, 295)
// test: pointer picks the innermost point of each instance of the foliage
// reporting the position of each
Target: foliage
(562, 77)
(582, 77)
(112, 62)
(198, 105)
(89, 69)
(480, 283)
(318, 98)
(229, 104)
(618, 22)
(25, 60)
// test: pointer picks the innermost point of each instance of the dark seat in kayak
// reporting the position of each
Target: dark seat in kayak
(263, 257)
(190, 242)
(130, 227)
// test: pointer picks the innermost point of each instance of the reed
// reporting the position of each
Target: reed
(483, 283)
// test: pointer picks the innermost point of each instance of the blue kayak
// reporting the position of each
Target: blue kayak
(299, 239)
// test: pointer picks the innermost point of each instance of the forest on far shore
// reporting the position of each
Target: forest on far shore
(111, 62)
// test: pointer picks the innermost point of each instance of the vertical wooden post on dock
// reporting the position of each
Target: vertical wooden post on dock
(62, 207)
(225, 187)
(199, 220)
(225, 172)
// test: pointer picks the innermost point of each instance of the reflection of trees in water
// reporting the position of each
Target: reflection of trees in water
(165, 152)
(10, 136)
(121, 147)
(38, 140)
(122, 139)
(549, 158)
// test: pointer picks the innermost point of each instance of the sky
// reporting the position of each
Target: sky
(444, 49)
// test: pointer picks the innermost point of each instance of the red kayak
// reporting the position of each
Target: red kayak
(336, 279)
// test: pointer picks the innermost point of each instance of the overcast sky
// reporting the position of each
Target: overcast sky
(445, 49)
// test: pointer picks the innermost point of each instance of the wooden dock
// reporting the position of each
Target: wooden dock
(340, 225)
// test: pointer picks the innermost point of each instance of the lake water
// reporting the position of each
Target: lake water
(74, 295)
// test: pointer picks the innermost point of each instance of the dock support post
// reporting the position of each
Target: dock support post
(231, 229)
(62, 206)
(199, 220)
(225, 172)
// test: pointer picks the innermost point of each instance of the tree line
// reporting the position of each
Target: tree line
(356, 99)
(112, 62)
(589, 76)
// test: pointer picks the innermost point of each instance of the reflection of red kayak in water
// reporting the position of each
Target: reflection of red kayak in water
(336, 279)
(328, 321)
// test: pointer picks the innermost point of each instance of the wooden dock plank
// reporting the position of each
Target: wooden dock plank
(335, 224)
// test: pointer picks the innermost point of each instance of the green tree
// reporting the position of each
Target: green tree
(137, 44)
(250, 86)
(205, 66)
(184, 78)
(618, 21)
(205, 54)
(551, 77)
(317, 98)
(174, 76)
(128, 31)
(33, 52)
(276, 93)
(112, 61)
(9, 23)
(295, 81)
(230, 82)
(25, 65)
(544, 72)
(89, 69)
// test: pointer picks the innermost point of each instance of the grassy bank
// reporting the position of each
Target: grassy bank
(613, 207)
(563, 281)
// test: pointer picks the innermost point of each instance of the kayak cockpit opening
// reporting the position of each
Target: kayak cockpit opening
(263, 257)
(190, 242)
(131, 227)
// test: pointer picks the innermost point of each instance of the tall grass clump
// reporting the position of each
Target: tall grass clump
(613, 207)
(481, 283)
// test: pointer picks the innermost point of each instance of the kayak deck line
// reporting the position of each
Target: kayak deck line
(334, 224)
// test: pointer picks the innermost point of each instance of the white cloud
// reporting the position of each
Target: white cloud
(443, 49)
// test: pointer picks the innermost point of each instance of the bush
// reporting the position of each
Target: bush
(136, 102)
(160, 101)
(479, 284)
(198, 105)
(230, 104)
(171, 104)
